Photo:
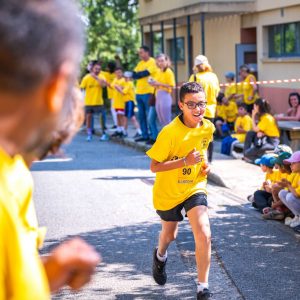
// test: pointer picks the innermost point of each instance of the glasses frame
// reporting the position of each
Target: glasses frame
(193, 105)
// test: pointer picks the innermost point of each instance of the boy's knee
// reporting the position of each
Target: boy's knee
(170, 237)
(203, 236)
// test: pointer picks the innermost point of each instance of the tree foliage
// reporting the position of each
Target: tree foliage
(112, 29)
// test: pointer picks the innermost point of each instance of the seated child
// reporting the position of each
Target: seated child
(263, 197)
(242, 125)
(278, 210)
(290, 197)
(229, 113)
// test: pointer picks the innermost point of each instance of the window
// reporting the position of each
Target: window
(180, 55)
(284, 40)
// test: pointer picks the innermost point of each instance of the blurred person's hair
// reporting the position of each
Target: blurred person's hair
(245, 68)
(37, 37)
(294, 94)
(220, 97)
(190, 88)
(145, 48)
(243, 105)
(111, 66)
(166, 58)
(264, 106)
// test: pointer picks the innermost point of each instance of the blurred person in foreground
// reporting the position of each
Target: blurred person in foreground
(39, 58)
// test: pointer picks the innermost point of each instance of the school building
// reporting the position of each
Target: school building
(264, 34)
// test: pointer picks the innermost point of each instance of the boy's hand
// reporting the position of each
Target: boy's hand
(71, 263)
(193, 157)
(205, 168)
(284, 182)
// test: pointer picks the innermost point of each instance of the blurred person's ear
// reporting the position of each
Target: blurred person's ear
(58, 87)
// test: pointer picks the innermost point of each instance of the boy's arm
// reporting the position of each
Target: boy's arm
(191, 159)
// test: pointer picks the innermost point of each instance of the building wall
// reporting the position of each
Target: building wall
(274, 68)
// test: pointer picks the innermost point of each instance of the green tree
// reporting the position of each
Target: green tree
(112, 29)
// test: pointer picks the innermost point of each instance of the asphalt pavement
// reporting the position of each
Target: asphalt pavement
(101, 191)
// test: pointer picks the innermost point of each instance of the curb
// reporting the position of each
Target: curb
(140, 146)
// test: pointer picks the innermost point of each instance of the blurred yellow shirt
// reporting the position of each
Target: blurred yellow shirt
(93, 90)
(174, 142)
(210, 83)
(296, 183)
(165, 77)
(109, 78)
(128, 91)
(245, 122)
(230, 91)
(267, 124)
(119, 102)
(248, 90)
(229, 112)
(142, 85)
(22, 275)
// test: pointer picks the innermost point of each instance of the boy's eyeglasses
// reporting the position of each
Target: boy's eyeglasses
(193, 105)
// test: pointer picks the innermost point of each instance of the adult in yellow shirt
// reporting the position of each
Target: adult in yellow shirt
(265, 133)
(164, 83)
(248, 87)
(93, 84)
(178, 158)
(33, 99)
(143, 73)
(209, 80)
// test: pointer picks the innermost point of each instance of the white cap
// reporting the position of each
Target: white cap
(200, 59)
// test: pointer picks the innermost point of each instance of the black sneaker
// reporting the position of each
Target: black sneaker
(203, 295)
(159, 270)
(116, 134)
(141, 139)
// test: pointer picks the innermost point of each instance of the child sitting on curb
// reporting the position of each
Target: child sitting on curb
(278, 210)
(263, 197)
(290, 197)
(242, 125)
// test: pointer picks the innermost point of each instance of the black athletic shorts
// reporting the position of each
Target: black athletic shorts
(175, 214)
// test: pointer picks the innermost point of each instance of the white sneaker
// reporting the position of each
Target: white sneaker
(104, 138)
(236, 155)
(295, 222)
(288, 221)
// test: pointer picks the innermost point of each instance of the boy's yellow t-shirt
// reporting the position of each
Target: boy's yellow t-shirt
(142, 85)
(219, 111)
(210, 83)
(296, 183)
(128, 91)
(230, 112)
(93, 90)
(247, 89)
(109, 78)
(22, 275)
(245, 122)
(119, 102)
(175, 141)
(230, 90)
(165, 77)
(267, 124)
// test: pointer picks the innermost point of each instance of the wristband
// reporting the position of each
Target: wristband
(184, 161)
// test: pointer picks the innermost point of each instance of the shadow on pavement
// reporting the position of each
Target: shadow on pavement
(126, 269)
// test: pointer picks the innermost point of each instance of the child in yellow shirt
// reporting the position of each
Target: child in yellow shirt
(178, 157)
(129, 96)
(291, 196)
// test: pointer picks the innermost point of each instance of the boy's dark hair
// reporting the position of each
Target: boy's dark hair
(294, 94)
(145, 48)
(263, 106)
(243, 105)
(190, 88)
(95, 63)
(36, 38)
(220, 97)
(111, 66)
(245, 68)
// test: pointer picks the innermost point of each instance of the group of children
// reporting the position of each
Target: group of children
(121, 90)
(279, 196)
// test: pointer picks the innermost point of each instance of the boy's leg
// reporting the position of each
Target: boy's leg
(168, 234)
(198, 217)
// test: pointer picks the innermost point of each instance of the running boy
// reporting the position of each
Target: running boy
(179, 159)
